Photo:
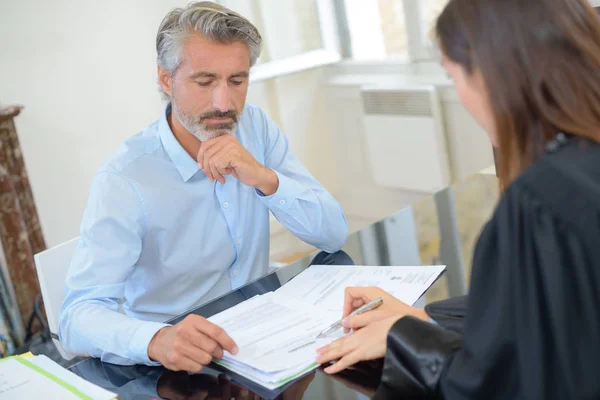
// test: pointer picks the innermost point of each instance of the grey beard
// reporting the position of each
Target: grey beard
(194, 126)
(204, 134)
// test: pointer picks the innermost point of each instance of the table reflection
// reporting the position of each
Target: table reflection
(143, 382)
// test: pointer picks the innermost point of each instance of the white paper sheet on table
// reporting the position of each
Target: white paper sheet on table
(91, 390)
(324, 285)
(40, 377)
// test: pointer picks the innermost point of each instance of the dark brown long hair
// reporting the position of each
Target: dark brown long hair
(540, 62)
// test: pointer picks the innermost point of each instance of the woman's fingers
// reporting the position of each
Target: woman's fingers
(362, 320)
(341, 348)
(336, 350)
(345, 362)
(354, 297)
(368, 343)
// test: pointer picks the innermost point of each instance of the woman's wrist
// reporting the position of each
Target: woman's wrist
(421, 314)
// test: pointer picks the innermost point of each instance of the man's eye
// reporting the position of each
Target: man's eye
(237, 83)
(204, 83)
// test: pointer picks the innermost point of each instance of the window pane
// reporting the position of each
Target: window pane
(288, 28)
(430, 11)
(377, 28)
(394, 30)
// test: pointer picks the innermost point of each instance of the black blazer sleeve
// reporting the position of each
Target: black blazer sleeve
(417, 354)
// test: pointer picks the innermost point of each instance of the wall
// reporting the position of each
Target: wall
(86, 75)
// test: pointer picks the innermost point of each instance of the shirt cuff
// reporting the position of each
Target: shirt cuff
(138, 350)
(287, 192)
(433, 321)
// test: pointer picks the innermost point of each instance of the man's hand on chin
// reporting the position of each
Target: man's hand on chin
(225, 155)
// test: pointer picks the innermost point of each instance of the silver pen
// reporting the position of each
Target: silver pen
(367, 307)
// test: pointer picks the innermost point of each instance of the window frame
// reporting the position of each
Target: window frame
(329, 53)
(337, 46)
(420, 49)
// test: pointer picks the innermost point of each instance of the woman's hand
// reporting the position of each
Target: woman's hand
(391, 307)
(368, 343)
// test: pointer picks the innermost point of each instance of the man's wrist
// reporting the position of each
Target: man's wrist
(268, 182)
(152, 345)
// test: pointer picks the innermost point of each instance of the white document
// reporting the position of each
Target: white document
(324, 285)
(23, 380)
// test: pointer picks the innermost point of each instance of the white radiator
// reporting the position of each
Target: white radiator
(405, 137)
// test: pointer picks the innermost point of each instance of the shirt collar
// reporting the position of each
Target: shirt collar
(185, 164)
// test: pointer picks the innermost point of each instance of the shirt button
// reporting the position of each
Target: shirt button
(235, 272)
(225, 205)
(238, 241)
(282, 202)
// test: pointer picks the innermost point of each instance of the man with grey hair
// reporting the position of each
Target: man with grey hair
(180, 213)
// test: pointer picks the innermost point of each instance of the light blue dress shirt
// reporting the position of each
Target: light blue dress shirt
(158, 238)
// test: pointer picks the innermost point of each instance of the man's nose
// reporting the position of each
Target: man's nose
(221, 98)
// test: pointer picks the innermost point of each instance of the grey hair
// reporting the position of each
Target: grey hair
(209, 19)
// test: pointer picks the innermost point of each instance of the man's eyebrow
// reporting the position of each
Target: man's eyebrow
(203, 74)
(242, 74)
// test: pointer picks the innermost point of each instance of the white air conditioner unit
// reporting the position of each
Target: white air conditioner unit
(405, 137)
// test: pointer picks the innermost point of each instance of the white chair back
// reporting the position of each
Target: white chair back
(52, 266)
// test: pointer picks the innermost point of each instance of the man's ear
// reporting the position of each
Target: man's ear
(165, 81)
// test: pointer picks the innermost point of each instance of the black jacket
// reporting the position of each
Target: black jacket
(532, 327)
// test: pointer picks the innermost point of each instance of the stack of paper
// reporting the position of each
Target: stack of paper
(277, 338)
(277, 332)
(40, 377)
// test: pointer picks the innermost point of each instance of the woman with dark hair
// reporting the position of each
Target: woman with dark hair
(529, 73)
